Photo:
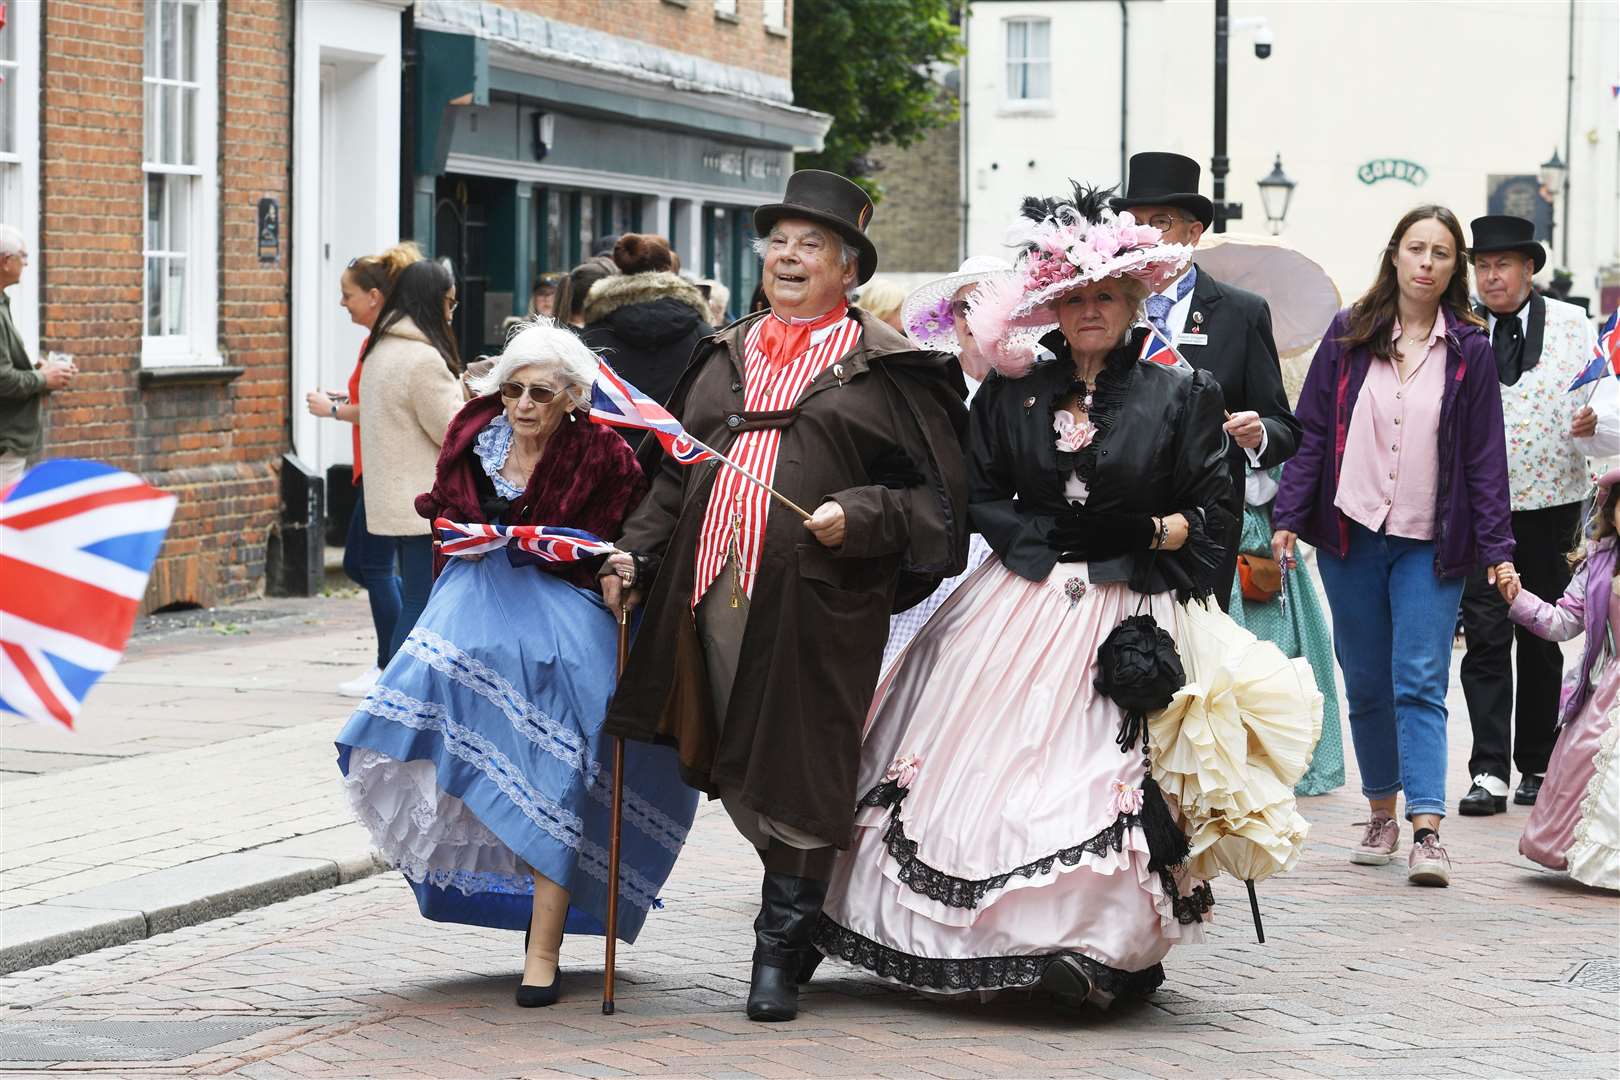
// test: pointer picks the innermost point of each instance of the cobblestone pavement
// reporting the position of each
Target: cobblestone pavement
(1510, 972)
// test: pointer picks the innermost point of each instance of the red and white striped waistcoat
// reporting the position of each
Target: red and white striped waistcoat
(734, 520)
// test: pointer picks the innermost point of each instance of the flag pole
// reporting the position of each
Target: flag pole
(614, 834)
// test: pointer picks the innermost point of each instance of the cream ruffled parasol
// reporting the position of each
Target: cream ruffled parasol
(1230, 746)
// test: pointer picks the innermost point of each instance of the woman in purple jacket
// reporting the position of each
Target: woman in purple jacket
(1400, 482)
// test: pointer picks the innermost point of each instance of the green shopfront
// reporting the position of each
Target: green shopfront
(523, 163)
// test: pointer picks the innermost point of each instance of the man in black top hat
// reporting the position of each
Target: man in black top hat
(762, 635)
(1219, 328)
(1540, 345)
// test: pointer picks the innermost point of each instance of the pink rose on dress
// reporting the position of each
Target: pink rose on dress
(1127, 797)
(903, 771)
(1072, 435)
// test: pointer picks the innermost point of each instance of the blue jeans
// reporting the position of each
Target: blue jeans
(1393, 625)
(415, 555)
(369, 562)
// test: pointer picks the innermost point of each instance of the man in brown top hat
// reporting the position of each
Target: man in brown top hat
(760, 645)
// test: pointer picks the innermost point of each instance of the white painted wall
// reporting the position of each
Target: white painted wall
(1347, 82)
(345, 193)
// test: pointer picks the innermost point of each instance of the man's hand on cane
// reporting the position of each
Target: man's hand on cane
(616, 577)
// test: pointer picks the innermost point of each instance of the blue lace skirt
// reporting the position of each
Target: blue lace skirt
(479, 754)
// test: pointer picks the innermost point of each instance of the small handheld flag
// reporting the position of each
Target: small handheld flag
(547, 542)
(77, 542)
(1156, 350)
(1605, 356)
(615, 402)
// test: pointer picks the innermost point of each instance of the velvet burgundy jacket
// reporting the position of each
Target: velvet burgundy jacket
(587, 479)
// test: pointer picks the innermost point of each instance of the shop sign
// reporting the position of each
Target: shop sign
(724, 162)
(269, 230)
(1392, 169)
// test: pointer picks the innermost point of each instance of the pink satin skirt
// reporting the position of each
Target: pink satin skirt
(1006, 837)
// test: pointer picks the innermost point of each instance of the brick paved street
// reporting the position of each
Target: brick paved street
(1511, 972)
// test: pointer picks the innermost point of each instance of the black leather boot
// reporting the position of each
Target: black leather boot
(790, 905)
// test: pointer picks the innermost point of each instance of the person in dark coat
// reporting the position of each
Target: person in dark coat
(1218, 328)
(760, 644)
(646, 320)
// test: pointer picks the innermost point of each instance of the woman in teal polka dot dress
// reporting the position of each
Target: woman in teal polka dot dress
(1295, 622)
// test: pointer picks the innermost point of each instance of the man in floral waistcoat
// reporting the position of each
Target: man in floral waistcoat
(1541, 344)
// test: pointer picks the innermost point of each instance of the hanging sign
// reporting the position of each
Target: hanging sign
(1393, 169)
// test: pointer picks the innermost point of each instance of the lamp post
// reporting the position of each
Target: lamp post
(1552, 175)
(1276, 191)
(1219, 164)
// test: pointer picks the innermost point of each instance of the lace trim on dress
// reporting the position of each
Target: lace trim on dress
(1113, 386)
(1190, 908)
(959, 892)
(972, 973)
(492, 446)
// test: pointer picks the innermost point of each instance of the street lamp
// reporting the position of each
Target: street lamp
(1552, 175)
(1276, 191)
(1219, 163)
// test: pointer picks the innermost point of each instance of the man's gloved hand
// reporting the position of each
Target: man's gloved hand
(1100, 534)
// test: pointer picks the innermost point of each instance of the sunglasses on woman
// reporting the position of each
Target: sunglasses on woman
(540, 395)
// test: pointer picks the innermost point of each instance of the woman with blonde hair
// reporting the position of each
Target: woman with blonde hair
(368, 561)
(882, 298)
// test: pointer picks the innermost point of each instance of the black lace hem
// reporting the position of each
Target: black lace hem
(972, 973)
(1191, 908)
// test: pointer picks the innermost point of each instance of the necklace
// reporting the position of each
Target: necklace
(1418, 339)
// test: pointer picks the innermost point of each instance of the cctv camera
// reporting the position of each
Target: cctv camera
(1262, 42)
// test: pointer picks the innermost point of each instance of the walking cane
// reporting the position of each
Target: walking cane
(613, 836)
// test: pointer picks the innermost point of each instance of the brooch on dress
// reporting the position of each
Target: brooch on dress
(1074, 589)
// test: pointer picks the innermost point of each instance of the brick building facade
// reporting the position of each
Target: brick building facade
(199, 407)
(191, 177)
(918, 226)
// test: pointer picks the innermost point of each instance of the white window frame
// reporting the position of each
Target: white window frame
(198, 343)
(775, 14)
(725, 9)
(21, 165)
(1010, 101)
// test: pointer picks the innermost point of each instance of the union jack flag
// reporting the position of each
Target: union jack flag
(1156, 350)
(615, 402)
(77, 541)
(547, 542)
(1605, 356)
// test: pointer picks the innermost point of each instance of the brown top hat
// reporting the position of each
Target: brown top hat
(830, 200)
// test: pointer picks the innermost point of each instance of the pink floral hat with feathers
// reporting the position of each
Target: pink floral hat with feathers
(1064, 244)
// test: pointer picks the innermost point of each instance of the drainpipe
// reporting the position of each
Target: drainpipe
(1569, 115)
(964, 143)
(1124, 87)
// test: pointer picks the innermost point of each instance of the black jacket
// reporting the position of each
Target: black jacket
(646, 326)
(1159, 451)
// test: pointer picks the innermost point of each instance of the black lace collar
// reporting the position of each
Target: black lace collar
(1113, 385)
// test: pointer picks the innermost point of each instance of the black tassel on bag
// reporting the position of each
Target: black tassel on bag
(1167, 845)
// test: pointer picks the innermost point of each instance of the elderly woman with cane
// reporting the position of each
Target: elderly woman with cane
(478, 762)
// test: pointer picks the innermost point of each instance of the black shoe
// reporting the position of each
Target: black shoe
(1529, 788)
(788, 912)
(535, 997)
(1481, 803)
(1066, 981)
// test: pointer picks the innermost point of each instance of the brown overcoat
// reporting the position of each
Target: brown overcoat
(818, 618)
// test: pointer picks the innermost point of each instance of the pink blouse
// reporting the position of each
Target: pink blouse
(1392, 452)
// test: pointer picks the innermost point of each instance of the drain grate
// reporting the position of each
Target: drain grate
(1602, 976)
(121, 1040)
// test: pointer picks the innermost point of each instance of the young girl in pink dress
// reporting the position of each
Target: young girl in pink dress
(1575, 825)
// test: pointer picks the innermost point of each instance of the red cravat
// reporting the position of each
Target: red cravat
(783, 342)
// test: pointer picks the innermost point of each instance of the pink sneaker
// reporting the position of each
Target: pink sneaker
(1428, 864)
(1378, 843)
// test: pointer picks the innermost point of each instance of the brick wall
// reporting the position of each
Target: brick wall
(688, 26)
(918, 225)
(215, 443)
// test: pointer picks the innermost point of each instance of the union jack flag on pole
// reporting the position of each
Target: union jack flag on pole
(614, 401)
(1605, 357)
(1156, 350)
(546, 542)
(77, 541)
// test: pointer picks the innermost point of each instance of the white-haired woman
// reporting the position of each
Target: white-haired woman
(478, 762)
